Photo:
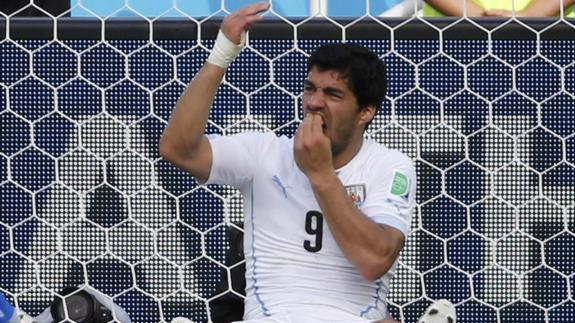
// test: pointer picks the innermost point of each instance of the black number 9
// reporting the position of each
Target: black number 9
(314, 225)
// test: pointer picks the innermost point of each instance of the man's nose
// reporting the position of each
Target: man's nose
(316, 100)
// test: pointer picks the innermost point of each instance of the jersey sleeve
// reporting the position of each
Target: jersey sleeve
(390, 198)
(234, 159)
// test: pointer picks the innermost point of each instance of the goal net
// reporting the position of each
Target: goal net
(485, 108)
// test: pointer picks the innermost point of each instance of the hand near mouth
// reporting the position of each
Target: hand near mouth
(312, 148)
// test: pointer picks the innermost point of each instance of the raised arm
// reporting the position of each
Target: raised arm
(183, 142)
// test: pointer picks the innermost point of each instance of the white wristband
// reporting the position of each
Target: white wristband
(225, 51)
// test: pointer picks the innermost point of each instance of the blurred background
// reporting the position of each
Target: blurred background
(203, 8)
(290, 8)
(199, 8)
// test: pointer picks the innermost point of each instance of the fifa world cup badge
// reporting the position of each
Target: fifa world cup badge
(356, 193)
(400, 185)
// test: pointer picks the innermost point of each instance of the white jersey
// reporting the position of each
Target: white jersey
(292, 259)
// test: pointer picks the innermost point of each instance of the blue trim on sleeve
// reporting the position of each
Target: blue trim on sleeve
(377, 299)
(254, 259)
(392, 221)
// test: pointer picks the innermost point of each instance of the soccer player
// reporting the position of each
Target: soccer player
(327, 212)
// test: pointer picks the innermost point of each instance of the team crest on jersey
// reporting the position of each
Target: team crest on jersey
(356, 193)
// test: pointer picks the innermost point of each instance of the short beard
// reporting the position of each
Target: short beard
(338, 146)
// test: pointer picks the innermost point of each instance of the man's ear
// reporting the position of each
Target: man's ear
(367, 114)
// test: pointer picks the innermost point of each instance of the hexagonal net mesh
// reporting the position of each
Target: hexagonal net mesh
(484, 108)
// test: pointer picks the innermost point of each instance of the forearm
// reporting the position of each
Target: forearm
(544, 8)
(189, 118)
(457, 7)
(365, 243)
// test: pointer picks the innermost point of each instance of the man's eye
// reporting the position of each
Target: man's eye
(336, 96)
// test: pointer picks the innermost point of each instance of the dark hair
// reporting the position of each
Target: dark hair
(361, 68)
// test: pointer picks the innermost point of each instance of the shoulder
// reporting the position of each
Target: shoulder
(383, 158)
(268, 136)
(265, 145)
(270, 151)
(249, 137)
(255, 136)
(268, 140)
(384, 165)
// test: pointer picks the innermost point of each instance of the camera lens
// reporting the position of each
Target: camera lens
(79, 308)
